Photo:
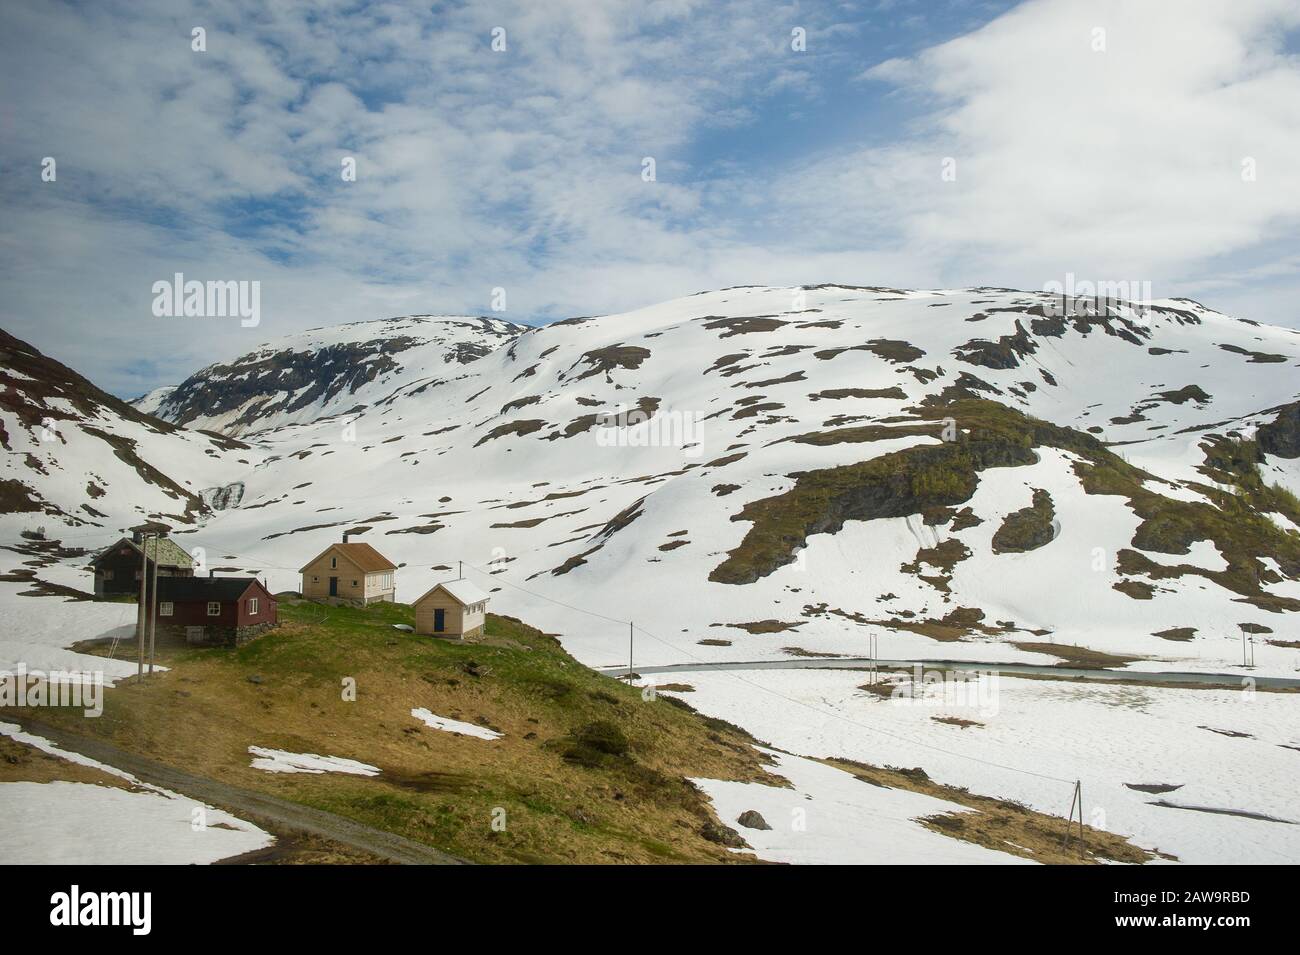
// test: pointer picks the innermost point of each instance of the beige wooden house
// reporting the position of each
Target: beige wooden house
(350, 573)
(456, 608)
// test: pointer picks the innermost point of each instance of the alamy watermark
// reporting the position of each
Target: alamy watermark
(212, 299)
(976, 690)
(1099, 299)
(638, 428)
(133, 910)
(63, 688)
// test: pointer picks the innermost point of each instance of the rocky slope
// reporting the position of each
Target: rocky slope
(327, 371)
(86, 464)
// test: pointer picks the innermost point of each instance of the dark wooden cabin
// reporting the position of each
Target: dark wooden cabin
(117, 568)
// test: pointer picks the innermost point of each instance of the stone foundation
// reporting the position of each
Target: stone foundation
(179, 635)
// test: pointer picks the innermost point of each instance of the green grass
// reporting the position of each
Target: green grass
(588, 769)
(929, 479)
(1028, 528)
(1235, 521)
(919, 480)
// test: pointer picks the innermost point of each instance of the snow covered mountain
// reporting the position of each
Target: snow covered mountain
(960, 467)
(788, 474)
(956, 467)
(327, 371)
(78, 459)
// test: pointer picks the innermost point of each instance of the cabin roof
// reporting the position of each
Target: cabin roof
(224, 589)
(164, 551)
(462, 591)
(363, 555)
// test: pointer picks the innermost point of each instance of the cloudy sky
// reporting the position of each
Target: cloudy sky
(1144, 140)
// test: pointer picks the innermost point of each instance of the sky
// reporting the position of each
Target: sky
(501, 158)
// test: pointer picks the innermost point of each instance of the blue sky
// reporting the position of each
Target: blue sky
(1095, 137)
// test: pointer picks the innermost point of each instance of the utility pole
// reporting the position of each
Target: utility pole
(460, 570)
(1075, 799)
(140, 615)
(1078, 786)
(153, 601)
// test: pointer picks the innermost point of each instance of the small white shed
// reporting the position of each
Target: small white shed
(457, 608)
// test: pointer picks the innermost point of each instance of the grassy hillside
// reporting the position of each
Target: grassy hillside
(587, 770)
(932, 480)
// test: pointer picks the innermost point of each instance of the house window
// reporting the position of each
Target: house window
(334, 562)
(315, 580)
(108, 573)
(354, 583)
(214, 608)
(165, 608)
(252, 607)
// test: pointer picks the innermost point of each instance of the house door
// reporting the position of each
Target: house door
(334, 586)
(439, 620)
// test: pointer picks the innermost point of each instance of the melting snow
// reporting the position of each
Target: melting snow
(453, 726)
(75, 823)
(279, 761)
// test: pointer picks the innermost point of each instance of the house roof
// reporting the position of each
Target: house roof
(363, 555)
(224, 589)
(462, 591)
(165, 551)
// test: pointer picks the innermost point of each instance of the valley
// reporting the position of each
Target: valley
(762, 474)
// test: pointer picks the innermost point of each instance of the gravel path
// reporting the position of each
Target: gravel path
(246, 804)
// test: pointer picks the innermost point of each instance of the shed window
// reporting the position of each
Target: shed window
(108, 573)
(252, 607)
(165, 608)
(214, 608)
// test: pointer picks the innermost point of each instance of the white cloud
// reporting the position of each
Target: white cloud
(523, 169)
(1122, 162)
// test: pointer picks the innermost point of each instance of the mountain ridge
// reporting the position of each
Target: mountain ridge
(839, 461)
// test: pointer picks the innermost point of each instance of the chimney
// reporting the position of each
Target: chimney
(345, 536)
(211, 573)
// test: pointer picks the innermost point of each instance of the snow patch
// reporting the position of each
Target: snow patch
(453, 726)
(279, 761)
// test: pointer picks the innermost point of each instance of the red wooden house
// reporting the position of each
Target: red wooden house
(213, 611)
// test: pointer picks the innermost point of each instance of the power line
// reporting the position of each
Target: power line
(779, 695)
(872, 729)
(560, 603)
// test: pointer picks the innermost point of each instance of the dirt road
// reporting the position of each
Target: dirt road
(246, 804)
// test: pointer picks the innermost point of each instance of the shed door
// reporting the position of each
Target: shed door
(334, 586)
(439, 620)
